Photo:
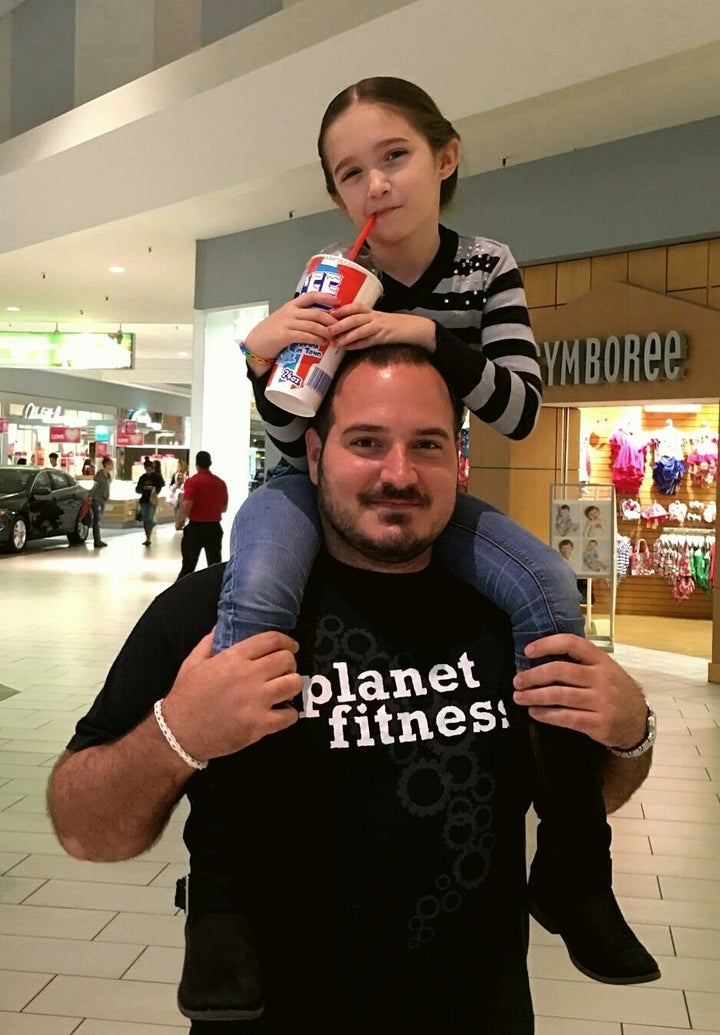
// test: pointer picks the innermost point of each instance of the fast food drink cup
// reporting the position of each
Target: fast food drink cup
(302, 373)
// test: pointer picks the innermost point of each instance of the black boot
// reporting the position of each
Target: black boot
(221, 976)
(570, 885)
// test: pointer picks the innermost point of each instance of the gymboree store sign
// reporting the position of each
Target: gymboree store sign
(73, 351)
(659, 355)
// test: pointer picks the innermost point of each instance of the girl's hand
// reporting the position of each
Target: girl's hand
(357, 327)
(296, 321)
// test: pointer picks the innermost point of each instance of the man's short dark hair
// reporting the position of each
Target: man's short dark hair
(203, 460)
(106, 460)
(381, 356)
(53, 456)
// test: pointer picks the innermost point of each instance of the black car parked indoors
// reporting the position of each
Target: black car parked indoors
(39, 502)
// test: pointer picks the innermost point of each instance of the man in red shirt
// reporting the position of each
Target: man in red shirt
(205, 500)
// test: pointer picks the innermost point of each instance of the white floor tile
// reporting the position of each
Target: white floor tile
(25, 1024)
(704, 1010)
(62, 867)
(93, 1027)
(93, 895)
(17, 989)
(157, 964)
(108, 1000)
(66, 956)
(590, 1000)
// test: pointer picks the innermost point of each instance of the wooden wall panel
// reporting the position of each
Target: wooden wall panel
(573, 279)
(714, 263)
(648, 268)
(608, 267)
(687, 265)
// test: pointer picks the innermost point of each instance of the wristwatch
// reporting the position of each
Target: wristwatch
(645, 744)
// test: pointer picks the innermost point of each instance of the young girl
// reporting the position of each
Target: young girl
(387, 151)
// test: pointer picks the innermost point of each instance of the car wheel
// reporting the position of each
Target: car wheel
(18, 535)
(79, 535)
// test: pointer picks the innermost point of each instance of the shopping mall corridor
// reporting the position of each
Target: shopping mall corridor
(95, 949)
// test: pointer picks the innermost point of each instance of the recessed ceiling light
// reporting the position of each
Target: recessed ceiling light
(183, 355)
(13, 308)
(116, 269)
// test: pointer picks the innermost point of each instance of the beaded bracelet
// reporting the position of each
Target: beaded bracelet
(248, 354)
(170, 738)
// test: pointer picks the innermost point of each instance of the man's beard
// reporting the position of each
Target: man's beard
(376, 549)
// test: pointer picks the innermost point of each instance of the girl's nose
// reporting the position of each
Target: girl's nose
(377, 184)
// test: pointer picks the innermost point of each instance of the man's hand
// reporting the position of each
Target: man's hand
(590, 693)
(221, 704)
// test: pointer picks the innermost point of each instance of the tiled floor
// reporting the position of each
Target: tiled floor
(95, 949)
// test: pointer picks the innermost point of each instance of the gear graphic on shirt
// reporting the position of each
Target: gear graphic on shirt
(358, 644)
(471, 867)
(424, 787)
(328, 631)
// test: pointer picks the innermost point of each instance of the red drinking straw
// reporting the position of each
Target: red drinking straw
(361, 237)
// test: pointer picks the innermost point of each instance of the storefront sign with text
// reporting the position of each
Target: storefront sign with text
(62, 434)
(619, 358)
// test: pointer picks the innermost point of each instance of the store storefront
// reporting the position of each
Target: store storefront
(631, 379)
(82, 432)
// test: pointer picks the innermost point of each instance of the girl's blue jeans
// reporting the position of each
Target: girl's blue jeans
(276, 536)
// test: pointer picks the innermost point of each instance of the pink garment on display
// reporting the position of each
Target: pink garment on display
(627, 462)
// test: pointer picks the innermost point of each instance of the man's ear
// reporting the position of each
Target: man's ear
(313, 447)
(449, 158)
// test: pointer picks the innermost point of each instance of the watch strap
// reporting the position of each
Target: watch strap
(645, 744)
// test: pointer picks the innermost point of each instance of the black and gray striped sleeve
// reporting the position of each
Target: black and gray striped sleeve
(485, 345)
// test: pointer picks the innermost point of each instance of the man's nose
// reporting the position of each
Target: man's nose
(398, 467)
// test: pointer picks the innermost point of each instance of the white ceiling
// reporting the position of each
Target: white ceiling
(593, 73)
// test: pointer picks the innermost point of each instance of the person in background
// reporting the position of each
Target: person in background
(53, 458)
(205, 500)
(149, 486)
(100, 494)
(177, 481)
(88, 469)
(21, 461)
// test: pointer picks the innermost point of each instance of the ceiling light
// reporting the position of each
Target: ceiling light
(13, 308)
(116, 269)
(183, 355)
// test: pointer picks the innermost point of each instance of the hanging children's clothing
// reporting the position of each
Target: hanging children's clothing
(627, 462)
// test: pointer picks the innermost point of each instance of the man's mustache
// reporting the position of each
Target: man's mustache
(390, 494)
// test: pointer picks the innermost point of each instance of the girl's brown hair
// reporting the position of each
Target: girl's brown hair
(407, 100)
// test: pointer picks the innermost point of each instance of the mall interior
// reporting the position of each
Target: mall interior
(159, 195)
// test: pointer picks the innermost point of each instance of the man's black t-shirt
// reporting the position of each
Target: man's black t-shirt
(379, 841)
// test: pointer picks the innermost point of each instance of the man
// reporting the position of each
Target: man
(99, 495)
(376, 846)
(205, 500)
(53, 458)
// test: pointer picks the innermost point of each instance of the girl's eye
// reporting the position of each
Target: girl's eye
(349, 174)
(398, 152)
